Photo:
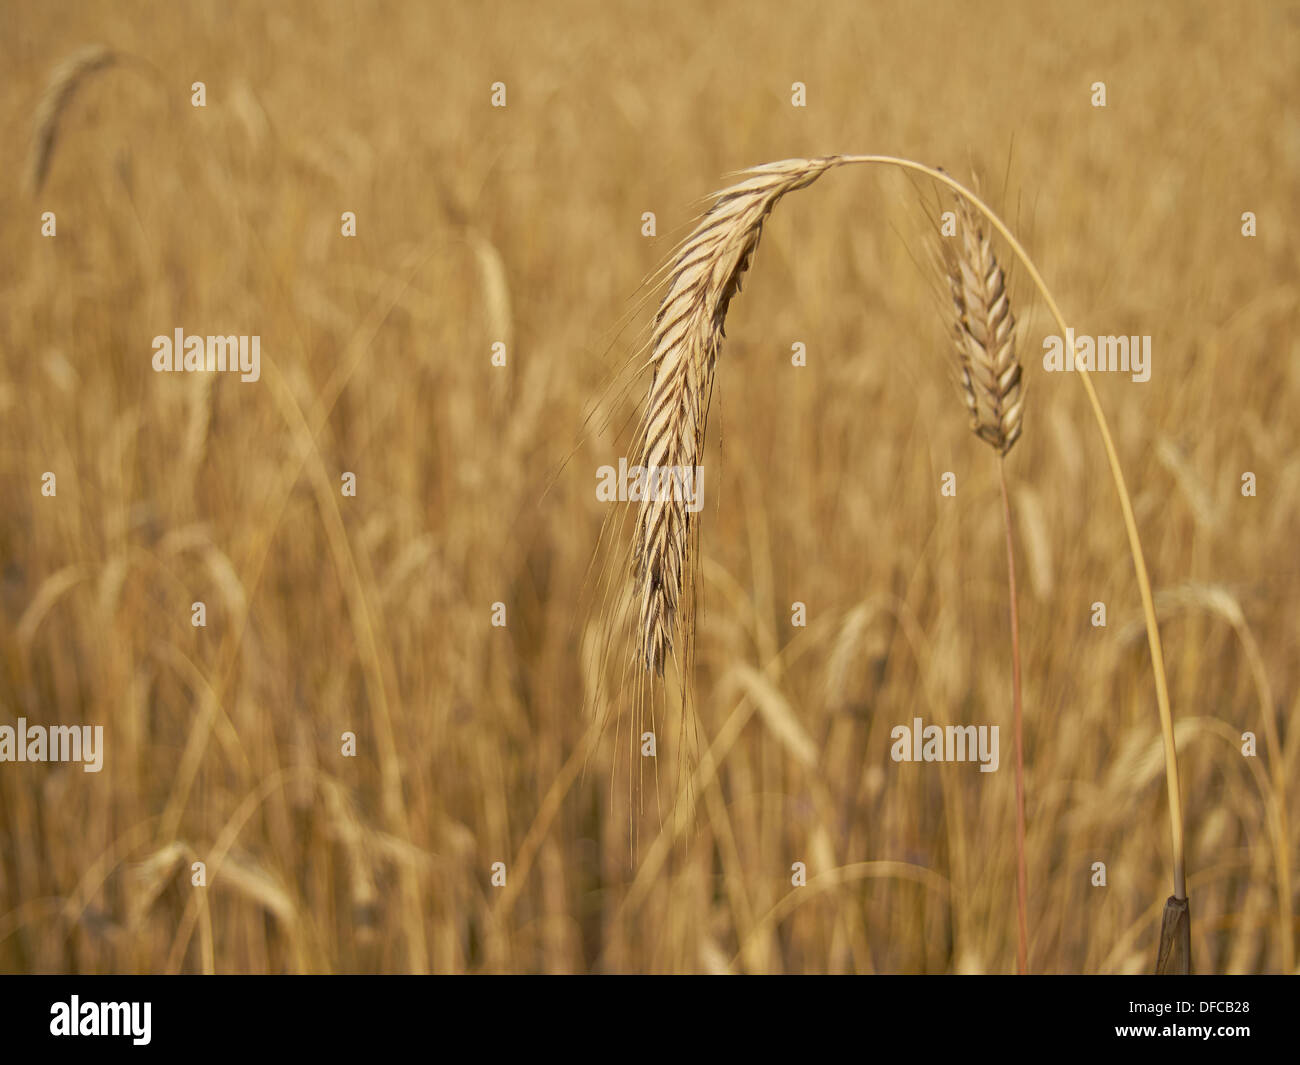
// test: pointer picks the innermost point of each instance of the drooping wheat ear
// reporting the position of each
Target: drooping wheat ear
(67, 77)
(984, 331)
(703, 276)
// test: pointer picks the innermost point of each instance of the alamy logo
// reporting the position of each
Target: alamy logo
(102, 1018)
(953, 743)
(637, 483)
(1099, 355)
(58, 743)
(196, 354)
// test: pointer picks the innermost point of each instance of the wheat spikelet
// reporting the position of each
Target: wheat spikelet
(988, 371)
(703, 276)
(63, 84)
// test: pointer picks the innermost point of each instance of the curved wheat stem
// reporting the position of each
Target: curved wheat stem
(1172, 786)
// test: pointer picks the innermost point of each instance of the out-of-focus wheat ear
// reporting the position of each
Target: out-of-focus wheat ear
(703, 276)
(67, 77)
(988, 370)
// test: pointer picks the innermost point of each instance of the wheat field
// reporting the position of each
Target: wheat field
(470, 615)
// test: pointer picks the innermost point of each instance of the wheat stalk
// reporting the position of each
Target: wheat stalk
(988, 372)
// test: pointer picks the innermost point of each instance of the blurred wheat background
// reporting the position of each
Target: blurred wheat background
(522, 225)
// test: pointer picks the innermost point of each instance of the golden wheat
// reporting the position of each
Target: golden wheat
(988, 370)
(704, 275)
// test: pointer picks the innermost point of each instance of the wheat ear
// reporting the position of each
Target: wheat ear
(67, 77)
(988, 370)
(703, 276)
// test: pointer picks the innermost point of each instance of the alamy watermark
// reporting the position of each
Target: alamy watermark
(951, 743)
(1130, 355)
(633, 484)
(57, 743)
(102, 1018)
(196, 354)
